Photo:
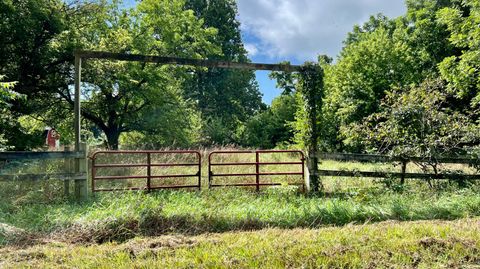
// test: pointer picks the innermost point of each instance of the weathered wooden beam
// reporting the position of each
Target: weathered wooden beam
(374, 174)
(31, 155)
(37, 177)
(184, 61)
(386, 158)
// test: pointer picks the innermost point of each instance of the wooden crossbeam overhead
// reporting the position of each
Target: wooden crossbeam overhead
(83, 54)
(185, 61)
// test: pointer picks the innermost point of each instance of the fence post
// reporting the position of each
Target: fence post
(81, 168)
(312, 180)
(404, 169)
(67, 167)
(257, 170)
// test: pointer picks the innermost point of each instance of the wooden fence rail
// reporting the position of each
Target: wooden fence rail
(371, 158)
(74, 167)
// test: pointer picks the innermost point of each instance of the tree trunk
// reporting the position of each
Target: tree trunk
(113, 135)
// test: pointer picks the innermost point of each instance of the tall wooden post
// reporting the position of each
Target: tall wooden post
(76, 108)
(80, 163)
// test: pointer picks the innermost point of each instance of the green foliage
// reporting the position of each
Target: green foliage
(385, 55)
(461, 70)
(225, 98)
(271, 127)
(6, 95)
(365, 70)
(311, 90)
(415, 122)
(126, 96)
(38, 38)
(5, 91)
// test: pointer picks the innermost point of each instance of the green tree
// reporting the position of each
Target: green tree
(381, 55)
(147, 98)
(38, 39)
(365, 70)
(5, 95)
(416, 122)
(226, 98)
(461, 71)
(27, 29)
(273, 126)
(425, 35)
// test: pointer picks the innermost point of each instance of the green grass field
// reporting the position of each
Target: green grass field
(357, 223)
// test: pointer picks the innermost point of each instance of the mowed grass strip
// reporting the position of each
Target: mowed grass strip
(420, 244)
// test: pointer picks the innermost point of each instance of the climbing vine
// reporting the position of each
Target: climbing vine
(310, 86)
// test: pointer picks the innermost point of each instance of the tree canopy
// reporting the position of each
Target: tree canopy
(410, 82)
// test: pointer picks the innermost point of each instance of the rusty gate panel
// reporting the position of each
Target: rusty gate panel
(149, 164)
(257, 164)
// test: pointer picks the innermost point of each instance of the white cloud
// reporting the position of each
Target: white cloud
(251, 49)
(305, 28)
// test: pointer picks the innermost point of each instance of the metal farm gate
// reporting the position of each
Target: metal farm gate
(258, 164)
(125, 167)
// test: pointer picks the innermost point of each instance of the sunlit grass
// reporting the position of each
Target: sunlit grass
(426, 244)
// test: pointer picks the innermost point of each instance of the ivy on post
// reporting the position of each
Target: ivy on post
(310, 86)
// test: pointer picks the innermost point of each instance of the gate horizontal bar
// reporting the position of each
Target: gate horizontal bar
(266, 163)
(260, 174)
(252, 184)
(152, 188)
(143, 165)
(135, 177)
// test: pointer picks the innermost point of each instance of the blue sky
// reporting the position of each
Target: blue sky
(298, 30)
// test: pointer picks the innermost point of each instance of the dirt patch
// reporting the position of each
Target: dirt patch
(438, 243)
(150, 247)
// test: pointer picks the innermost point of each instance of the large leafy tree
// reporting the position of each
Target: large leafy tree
(380, 56)
(461, 70)
(365, 70)
(416, 121)
(226, 98)
(118, 96)
(125, 96)
(28, 56)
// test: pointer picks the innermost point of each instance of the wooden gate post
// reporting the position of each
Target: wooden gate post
(311, 89)
(312, 179)
(81, 168)
(68, 168)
